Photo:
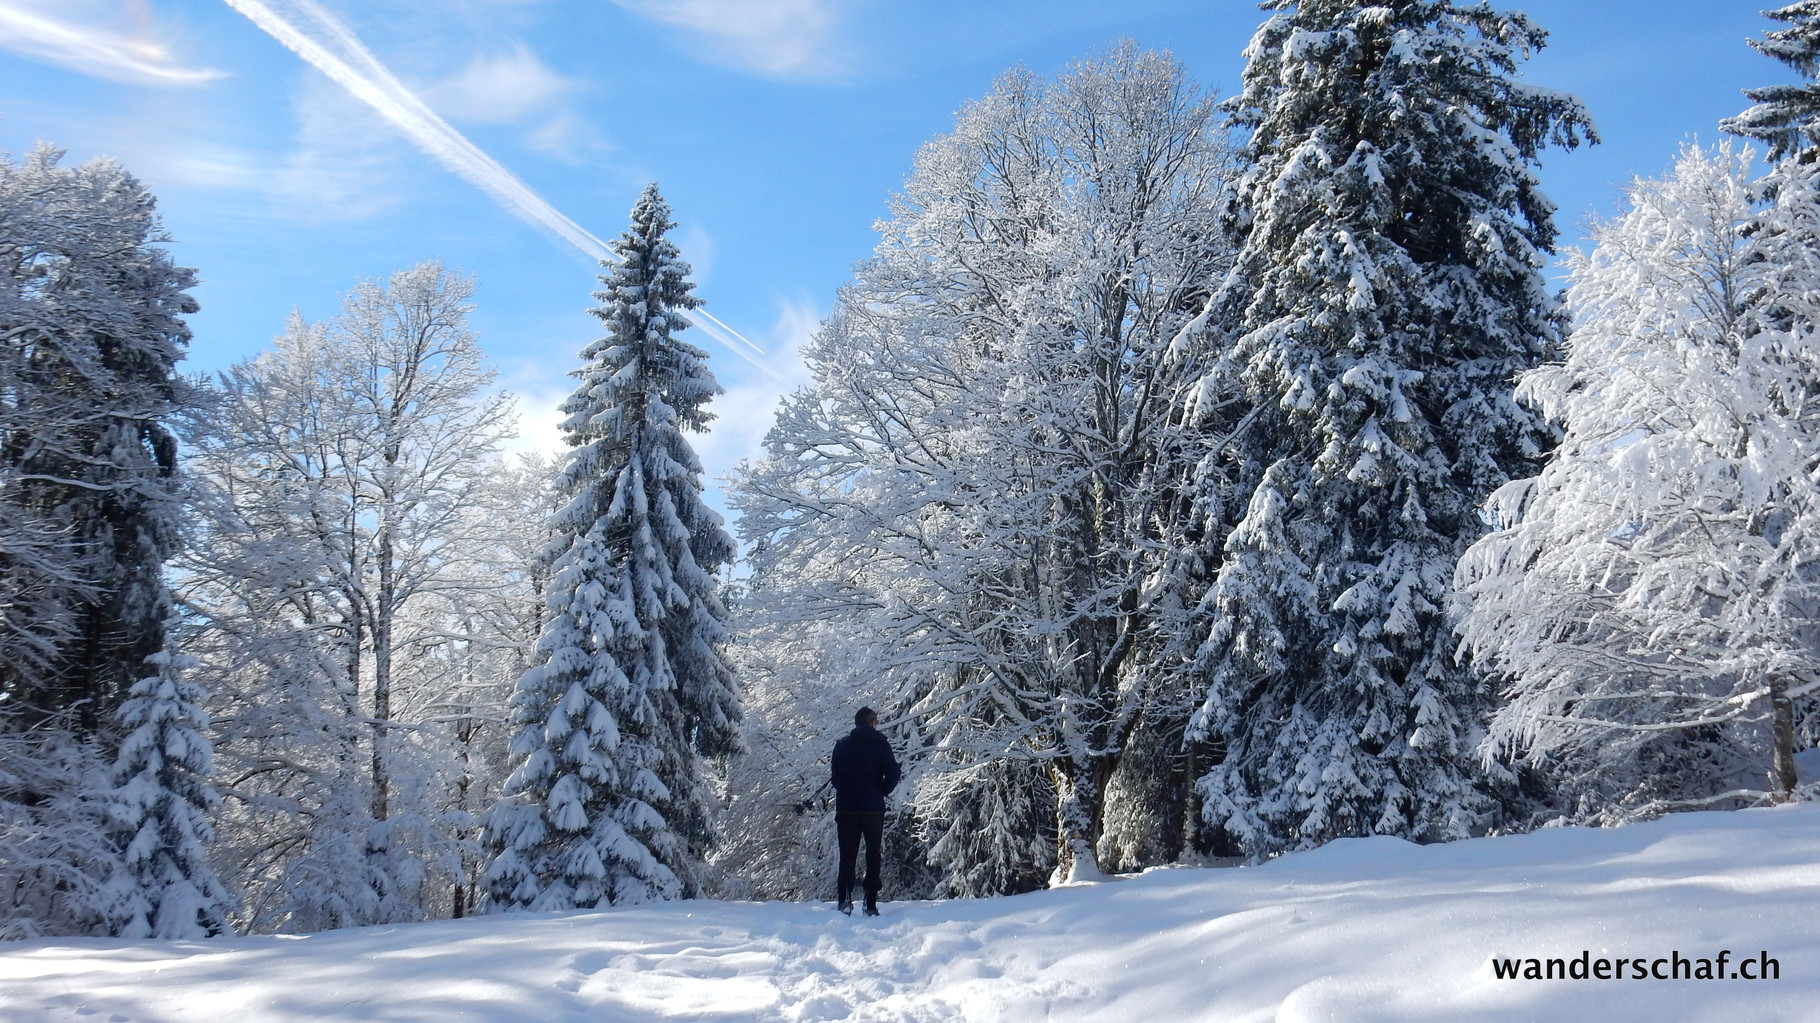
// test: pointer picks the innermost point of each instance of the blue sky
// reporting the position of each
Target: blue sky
(776, 128)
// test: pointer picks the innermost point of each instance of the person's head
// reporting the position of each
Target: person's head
(866, 717)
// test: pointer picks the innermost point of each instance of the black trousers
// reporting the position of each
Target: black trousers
(850, 825)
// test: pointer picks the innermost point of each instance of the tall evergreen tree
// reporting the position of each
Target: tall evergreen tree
(610, 801)
(1386, 293)
(91, 329)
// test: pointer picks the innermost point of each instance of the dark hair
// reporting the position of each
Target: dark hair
(865, 716)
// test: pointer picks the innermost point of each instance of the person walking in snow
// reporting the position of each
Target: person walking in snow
(864, 772)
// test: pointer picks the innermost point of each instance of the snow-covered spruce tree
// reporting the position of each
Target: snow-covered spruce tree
(161, 808)
(980, 486)
(1640, 595)
(1387, 291)
(633, 698)
(91, 329)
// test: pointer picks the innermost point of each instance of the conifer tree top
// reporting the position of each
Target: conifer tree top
(644, 251)
(1786, 117)
(644, 296)
(1428, 86)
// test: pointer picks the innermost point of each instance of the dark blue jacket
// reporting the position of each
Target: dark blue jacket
(865, 770)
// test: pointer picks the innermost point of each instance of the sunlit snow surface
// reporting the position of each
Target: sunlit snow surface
(1367, 929)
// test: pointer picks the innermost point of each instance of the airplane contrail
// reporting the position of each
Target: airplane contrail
(310, 31)
(318, 37)
(714, 325)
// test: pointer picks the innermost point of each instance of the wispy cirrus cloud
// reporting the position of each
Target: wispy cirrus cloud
(785, 38)
(567, 137)
(104, 39)
(347, 166)
(502, 87)
(512, 85)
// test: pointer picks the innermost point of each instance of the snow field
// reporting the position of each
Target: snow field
(1361, 930)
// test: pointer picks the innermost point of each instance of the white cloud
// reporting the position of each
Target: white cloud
(567, 137)
(198, 163)
(499, 88)
(698, 249)
(514, 86)
(96, 37)
(540, 419)
(346, 165)
(179, 148)
(787, 38)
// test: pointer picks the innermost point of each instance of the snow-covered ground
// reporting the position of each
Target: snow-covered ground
(1367, 929)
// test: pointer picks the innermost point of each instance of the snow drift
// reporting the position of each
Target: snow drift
(1363, 929)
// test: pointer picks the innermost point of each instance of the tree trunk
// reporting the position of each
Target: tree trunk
(465, 728)
(382, 712)
(1080, 803)
(1782, 760)
(382, 659)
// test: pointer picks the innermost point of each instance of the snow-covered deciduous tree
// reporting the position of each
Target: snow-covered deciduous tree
(1644, 594)
(492, 646)
(347, 554)
(1650, 596)
(57, 849)
(632, 697)
(1783, 325)
(980, 489)
(1386, 292)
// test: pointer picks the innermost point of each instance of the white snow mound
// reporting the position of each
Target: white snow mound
(1366, 929)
